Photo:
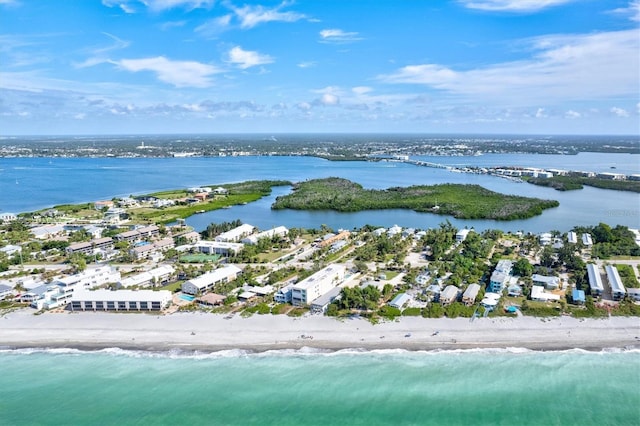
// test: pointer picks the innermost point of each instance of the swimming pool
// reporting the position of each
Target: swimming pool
(187, 297)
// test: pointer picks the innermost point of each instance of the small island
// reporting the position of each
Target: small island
(570, 183)
(459, 201)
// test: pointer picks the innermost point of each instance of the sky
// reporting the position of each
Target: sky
(232, 66)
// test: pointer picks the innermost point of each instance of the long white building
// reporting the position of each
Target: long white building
(205, 282)
(153, 276)
(617, 288)
(279, 231)
(595, 281)
(309, 289)
(221, 248)
(120, 300)
(236, 234)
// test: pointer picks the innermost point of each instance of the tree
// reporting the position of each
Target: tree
(522, 268)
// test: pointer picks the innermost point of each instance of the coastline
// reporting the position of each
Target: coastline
(198, 332)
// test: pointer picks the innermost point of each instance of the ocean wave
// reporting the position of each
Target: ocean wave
(175, 353)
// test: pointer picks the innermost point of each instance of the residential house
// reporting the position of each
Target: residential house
(617, 288)
(470, 294)
(550, 283)
(595, 281)
(400, 301)
(449, 295)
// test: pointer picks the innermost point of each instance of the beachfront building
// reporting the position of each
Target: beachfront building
(400, 301)
(617, 288)
(89, 278)
(206, 282)
(470, 294)
(279, 231)
(578, 297)
(120, 300)
(283, 295)
(490, 301)
(514, 290)
(500, 276)
(236, 234)
(539, 294)
(159, 275)
(8, 217)
(449, 295)
(221, 248)
(309, 289)
(5, 291)
(550, 283)
(321, 304)
(634, 294)
(595, 281)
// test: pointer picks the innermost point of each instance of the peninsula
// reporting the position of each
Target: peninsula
(459, 201)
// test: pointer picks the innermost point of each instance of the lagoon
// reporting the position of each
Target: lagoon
(28, 184)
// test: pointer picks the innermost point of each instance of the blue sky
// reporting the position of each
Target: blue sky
(225, 66)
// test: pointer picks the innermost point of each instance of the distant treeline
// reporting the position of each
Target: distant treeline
(570, 183)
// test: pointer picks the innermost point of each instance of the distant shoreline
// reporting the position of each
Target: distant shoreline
(209, 333)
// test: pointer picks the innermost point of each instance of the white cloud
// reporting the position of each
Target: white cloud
(246, 58)
(98, 56)
(334, 35)
(8, 2)
(619, 112)
(572, 114)
(308, 64)
(540, 113)
(633, 10)
(575, 67)
(124, 5)
(128, 6)
(361, 90)
(177, 73)
(329, 100)
(512, 5)
(250, 15)
(215, 26)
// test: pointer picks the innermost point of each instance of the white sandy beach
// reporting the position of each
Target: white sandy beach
(208, 332)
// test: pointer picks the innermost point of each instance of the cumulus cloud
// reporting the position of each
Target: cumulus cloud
(540, 113)
(361, 90)
(572, 114)
(335, 35)
(177, 73)
(246, 58)
(512, 5)
(250, 15)
(619, 112)
(576, 67)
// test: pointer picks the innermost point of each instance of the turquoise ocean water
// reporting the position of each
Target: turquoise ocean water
(484, 387)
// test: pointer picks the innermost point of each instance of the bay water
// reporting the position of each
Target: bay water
(471, 387)
(28, 184)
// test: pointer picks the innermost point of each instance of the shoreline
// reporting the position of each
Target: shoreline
(209, 333)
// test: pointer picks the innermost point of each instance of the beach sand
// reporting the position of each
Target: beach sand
(209, 332)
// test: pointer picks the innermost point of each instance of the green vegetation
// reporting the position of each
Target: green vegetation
(627, 275)
(570, 183)
(239, 193)
(608, 241)
(460, 201)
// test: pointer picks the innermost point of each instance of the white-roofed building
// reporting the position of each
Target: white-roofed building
(470, 294)
(400, 301)
(490, 301)
(5, 291)
(236, 234)
(617, 288)
(462, 234)
(11, 249)
(321, 304)
(572, 237)
(539, 294)
(595, 281)
(586, 240)
(279, 231)
(120, 300)
(205, 282)
(634, 294)
(449, 295)
(550, 283)
(158, 275)
(8, 217)
(317, 284)
(218, 247)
